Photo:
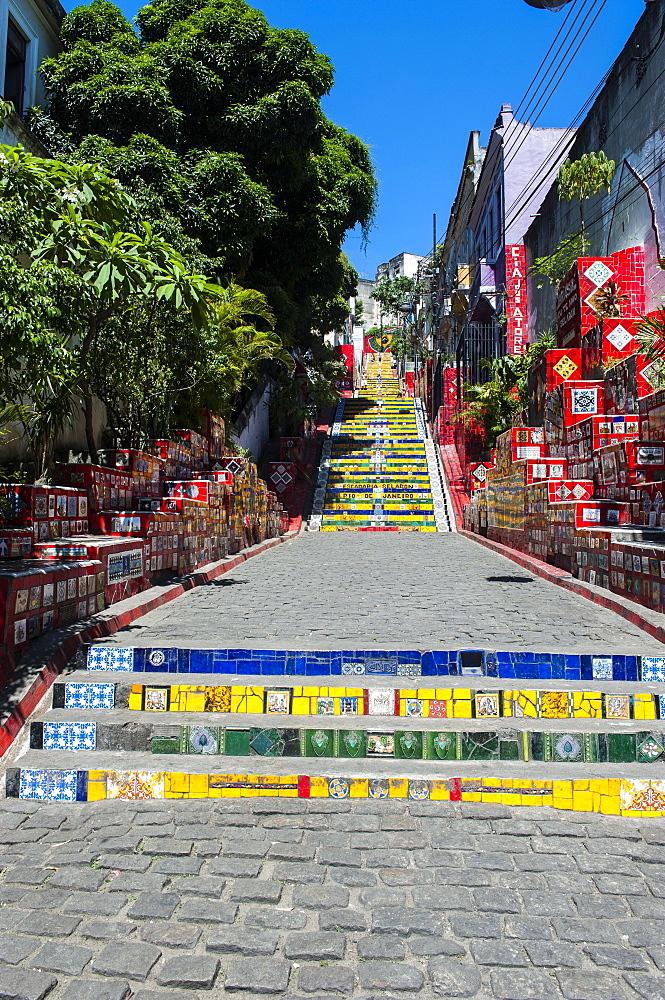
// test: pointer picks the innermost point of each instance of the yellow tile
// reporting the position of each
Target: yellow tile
(444, 694)
(198, 785)
(355, 692)
(254, 704)
(613, 786)
(196, 701)
(461, 694)
(438, 790)
(399, 788)
(178, 782)
(311, 692)
(582, 801)
(461, 710)
(472, 796)
(318, 788)
(598, 785)
(527, 700)
(561, 803)
(359, 788)
(237, 702)
(562, 789)
(300, 706)
(509, 799)
(426, 693)
(297, 692)
(288, 793)
(533, 800)
(649, 711)
(135, 701)
(96, 790)
(402, 707)
(237, 689)
(496, 797)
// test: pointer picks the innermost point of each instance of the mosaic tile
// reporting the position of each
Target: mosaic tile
(379, 788)
(110, 658)
(278, 702)
(653, 668)
(442, 746)
(52, 786)
(478, 746)
(487, 705)
(380, 744)
(419, 789)
(642, 796)
(338, 788)
(601, 668)
(156, 699)
(202, 739)
(88, 696)
(564, 747)
(408, 745)
(70, 735)
(650, 749)
(352, 743)
(381, 702)
(554, 705)
(617, 706)
(134, 785)
(325, 706)
(413, 708)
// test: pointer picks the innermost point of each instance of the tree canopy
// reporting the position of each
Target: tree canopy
(212, 119)
(95, 303)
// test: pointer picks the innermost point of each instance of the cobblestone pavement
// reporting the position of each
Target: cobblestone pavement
(349, 899)
(365, 590)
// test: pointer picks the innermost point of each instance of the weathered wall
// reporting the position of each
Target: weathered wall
(251, 430)
(627, 121)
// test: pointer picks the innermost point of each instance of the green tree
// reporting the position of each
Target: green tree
(95, 303)
(391, 293)
(212, 118)
(581, 179)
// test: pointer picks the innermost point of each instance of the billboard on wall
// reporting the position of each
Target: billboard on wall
(516, 308)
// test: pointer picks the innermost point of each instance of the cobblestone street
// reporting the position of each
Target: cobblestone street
(348, 899)
(389, 591)
(328, 899)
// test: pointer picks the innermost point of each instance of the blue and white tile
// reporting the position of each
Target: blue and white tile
(601, 667)
(102, 695)
(70, 735)
(653, 668)
(77, 695)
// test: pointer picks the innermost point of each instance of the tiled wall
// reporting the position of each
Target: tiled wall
(398, 663)
(632, 798)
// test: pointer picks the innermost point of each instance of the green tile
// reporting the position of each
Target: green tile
(537, 746)
(509, 750)
(236, 742)
(318, 742)
(441, 746)
(409, 745)
(621, 748)
(165, 744)
(479, 746)
(352, 743)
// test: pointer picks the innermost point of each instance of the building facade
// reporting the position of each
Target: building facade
(29, 33)
(626, 121)
(482, 280)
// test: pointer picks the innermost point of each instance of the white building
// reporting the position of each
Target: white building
(29, 32)
(404, 265)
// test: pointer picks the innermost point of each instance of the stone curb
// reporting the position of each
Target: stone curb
(112, 620)
(562, 579)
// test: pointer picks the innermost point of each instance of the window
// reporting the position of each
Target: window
(17, 51)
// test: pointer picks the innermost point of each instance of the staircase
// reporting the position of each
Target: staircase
(572, 731)
(379, 471)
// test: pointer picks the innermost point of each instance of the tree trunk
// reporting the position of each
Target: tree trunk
(89, 426)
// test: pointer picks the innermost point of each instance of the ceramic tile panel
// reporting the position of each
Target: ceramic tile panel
(52, 786)
(410, 663)
(69, 735)
(611, 796)
(88, 696)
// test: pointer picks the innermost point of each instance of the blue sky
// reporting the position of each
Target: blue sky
(414, 77)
